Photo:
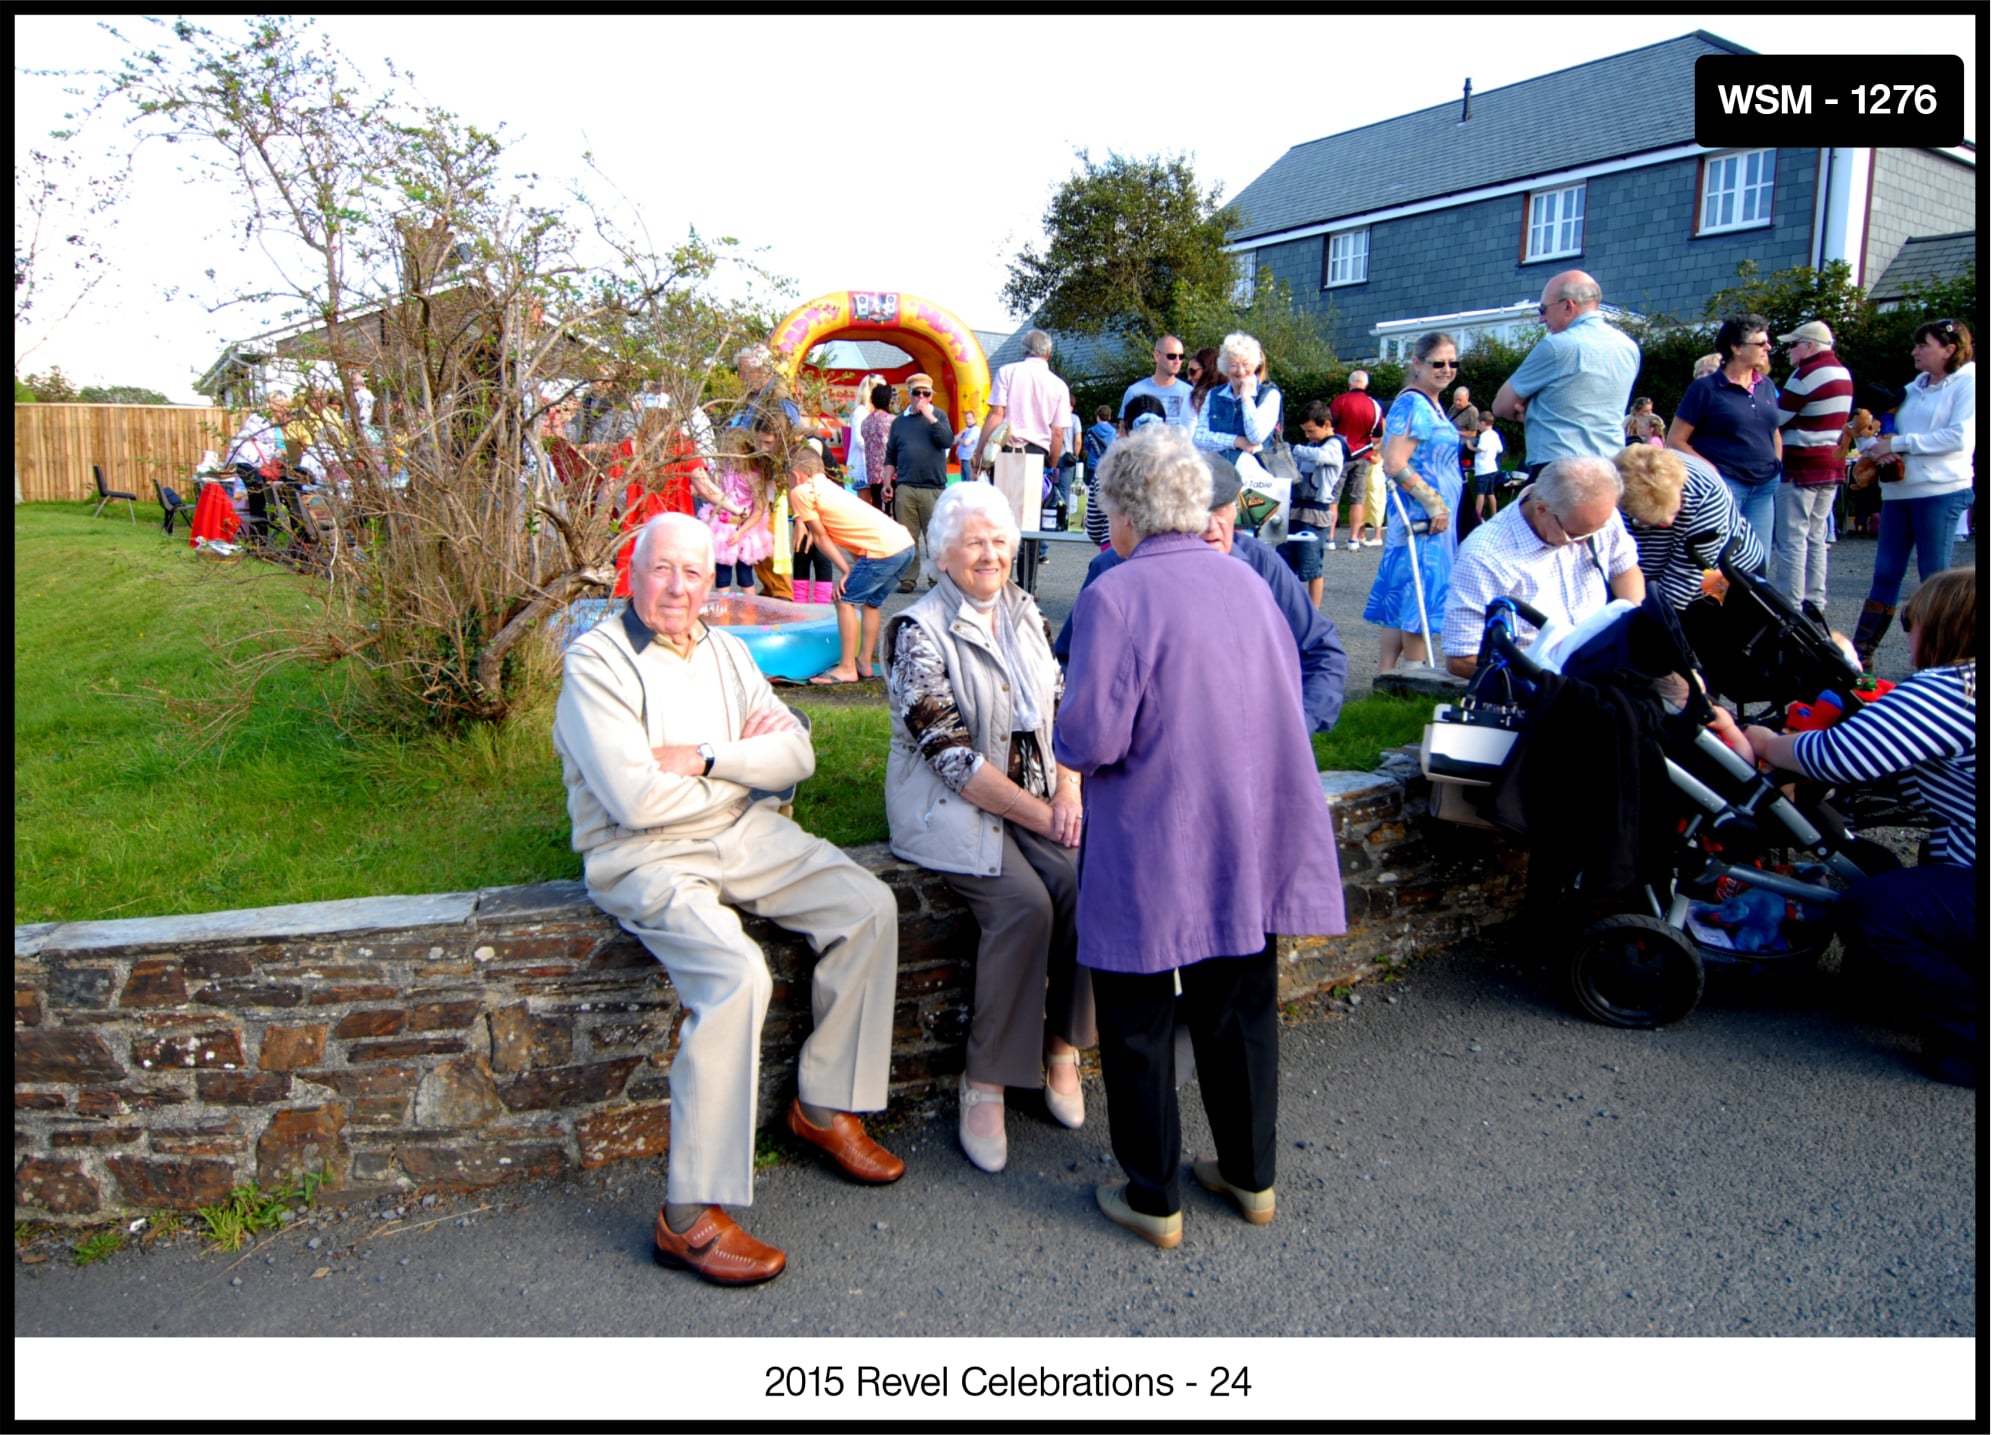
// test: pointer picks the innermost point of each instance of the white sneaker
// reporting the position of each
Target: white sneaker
(1353, 545)
(1371, 543)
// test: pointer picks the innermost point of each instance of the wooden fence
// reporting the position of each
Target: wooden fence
(136, 444)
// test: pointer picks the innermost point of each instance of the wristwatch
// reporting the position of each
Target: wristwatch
(706, 752)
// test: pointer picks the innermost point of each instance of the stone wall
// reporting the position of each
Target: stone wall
(466, 1039)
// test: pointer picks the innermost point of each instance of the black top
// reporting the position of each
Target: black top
(917, 450)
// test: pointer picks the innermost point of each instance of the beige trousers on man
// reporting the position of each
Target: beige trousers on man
(669, 893)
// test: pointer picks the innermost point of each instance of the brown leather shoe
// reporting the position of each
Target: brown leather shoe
(853, 1150)
(716, 1249)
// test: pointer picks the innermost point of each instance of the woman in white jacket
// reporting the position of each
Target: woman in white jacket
(1936, 432)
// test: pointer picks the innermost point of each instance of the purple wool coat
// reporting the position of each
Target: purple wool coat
(1205, 825)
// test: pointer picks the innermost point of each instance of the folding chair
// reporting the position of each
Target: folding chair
(105, 495)
(172, 506)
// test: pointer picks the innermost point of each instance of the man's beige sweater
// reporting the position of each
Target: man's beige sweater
(618, 704)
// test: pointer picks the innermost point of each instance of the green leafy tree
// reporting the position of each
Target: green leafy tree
(1302, 362)
(1122, 241)
(120, 394)
(49, 388)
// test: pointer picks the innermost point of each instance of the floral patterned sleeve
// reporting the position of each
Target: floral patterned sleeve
(920, 697)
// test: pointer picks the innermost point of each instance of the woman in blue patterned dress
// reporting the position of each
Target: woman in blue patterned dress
(1420, 458)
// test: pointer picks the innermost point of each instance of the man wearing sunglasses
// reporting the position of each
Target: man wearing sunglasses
(1176, 394)
(1561, 547)
(914, 463)
(1579, 378)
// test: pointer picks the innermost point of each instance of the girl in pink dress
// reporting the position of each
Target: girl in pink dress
(741, 523)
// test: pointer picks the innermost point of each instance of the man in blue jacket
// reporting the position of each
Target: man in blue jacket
(1322, 660)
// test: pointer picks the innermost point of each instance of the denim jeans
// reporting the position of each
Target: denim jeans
(1757, 502)
(1925, 524)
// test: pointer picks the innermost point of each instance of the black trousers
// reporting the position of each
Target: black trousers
(1230, 1007)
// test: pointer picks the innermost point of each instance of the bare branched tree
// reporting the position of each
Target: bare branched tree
(473, 371)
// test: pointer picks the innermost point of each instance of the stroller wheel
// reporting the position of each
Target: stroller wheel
(1634, 971)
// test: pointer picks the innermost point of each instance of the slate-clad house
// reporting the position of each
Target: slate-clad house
(1924, 259)
(1455, 216)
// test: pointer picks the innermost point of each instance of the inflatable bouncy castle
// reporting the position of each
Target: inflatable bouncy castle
(937, 341)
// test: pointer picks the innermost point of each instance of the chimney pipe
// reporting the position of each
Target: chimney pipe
(1465, 109)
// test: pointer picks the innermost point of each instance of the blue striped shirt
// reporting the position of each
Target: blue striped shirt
(1706, 507)
(1925, 732)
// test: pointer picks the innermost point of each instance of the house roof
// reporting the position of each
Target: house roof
(1925, 259)
(1604, 109)
(1077, 356)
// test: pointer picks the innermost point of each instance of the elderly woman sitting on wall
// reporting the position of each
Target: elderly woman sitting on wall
(974, 792)
(1208, 833)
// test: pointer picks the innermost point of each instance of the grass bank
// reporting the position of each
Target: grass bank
(116, 815)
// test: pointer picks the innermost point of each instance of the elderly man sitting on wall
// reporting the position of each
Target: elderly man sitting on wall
(1560, 547)
(672, 744)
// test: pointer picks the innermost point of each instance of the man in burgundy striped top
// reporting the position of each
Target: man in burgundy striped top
(1816, 402)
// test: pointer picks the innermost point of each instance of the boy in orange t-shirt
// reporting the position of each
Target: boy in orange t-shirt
(871, 550)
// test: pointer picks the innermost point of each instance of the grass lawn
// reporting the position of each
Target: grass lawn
(115, 816)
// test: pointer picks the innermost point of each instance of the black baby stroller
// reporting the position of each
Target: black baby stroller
(1648, 834)
(1763, 654)
(1755, 648)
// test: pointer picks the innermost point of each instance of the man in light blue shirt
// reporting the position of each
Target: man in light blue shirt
(1579, 378)
(1176, 394)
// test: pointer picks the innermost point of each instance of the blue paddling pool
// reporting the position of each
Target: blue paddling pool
(795, 641)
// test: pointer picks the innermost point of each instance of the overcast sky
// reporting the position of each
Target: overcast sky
(881, 154)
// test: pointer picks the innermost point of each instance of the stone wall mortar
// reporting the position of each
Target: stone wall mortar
(465, 1039)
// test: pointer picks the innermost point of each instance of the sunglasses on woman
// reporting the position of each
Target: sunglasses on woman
(1443, 363)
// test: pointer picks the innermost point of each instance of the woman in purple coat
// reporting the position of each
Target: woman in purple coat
(1206, 832)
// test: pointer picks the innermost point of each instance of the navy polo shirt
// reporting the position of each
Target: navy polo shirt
(1735, 429)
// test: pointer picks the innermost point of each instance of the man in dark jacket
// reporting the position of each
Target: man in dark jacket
(914, 464)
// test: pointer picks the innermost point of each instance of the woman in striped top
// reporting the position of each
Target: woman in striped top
(1917, 928)
(1670, 498)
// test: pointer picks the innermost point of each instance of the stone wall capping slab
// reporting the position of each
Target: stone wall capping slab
(301, 919)
(513, 906)
(29, 939)
(1346, 786)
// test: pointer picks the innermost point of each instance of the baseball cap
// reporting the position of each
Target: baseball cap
(919, 380)
(1225, 481)
(1812, 332)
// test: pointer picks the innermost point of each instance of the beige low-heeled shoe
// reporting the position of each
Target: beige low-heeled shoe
(1065, 1107)
(988, 1153)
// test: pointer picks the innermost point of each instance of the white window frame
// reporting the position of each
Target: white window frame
(1243, 292)
(1346, 263)
(1735, 195)
(1553, 222)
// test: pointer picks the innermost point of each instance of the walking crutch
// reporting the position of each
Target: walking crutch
(1416, 574)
